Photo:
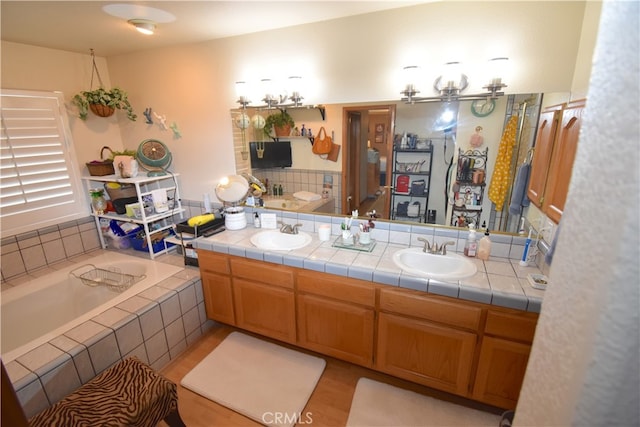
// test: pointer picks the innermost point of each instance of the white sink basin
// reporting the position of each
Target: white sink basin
(441, 267)
(282, 204)
(277, 241)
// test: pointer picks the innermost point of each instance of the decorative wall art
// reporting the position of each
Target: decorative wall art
(379, 133)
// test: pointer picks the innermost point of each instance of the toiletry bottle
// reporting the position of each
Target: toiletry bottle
(256, 220)
(280, 190)
(484, 246)
(471, 246)
(275, 190)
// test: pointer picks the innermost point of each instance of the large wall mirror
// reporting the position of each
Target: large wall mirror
(440, 172)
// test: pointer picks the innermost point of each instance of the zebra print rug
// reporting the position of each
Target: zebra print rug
(263, 381)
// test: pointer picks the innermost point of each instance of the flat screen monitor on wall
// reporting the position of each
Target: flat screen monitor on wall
(275, 155)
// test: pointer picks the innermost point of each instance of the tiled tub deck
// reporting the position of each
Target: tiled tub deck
(155, 325)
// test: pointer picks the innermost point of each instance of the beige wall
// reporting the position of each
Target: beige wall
(192, 85)
(37, 68)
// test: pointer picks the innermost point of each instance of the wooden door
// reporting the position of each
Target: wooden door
(339, 329)
(425, 352)
(564, 153)
(547, 127)
(500, 372)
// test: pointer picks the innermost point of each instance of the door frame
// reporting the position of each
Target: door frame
(350, 150)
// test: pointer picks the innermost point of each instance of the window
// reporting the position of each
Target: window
(39, 180)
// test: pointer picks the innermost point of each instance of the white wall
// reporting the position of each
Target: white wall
(583, 368)
(194, 84)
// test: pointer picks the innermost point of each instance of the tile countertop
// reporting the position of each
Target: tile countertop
(499, 281)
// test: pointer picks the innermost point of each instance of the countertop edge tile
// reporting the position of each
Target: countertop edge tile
(512, 296)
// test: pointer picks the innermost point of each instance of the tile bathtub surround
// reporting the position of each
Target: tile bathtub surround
(27, 253)
(155, 325)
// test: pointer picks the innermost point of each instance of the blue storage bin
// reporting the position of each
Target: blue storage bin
(140, 244)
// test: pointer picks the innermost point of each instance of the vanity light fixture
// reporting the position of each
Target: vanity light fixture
(241, 92)
(453, 82)
(143, 26)
(272, 99)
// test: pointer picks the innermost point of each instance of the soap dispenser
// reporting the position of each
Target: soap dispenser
(471, 246)
(484, 246)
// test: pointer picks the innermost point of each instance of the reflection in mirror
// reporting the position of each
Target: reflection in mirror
(366, 178)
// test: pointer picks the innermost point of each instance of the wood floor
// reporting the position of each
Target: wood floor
(328, 406)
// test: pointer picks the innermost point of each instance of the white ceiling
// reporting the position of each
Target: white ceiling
(79, 26)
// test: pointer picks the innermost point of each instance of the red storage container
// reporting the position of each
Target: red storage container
(402, 184)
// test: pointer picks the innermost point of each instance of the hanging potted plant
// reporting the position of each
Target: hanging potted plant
(102, 102)
(280, 122)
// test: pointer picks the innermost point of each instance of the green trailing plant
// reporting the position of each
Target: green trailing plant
(115, 98)
(132, 153)
(280, 119)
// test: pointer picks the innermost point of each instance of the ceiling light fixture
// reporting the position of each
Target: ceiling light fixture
(453, 82)
(143, 26)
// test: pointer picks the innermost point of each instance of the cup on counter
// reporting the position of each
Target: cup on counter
(364, 238)
(324, 232)
(347, 238)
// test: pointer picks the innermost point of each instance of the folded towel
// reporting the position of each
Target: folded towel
(307, 196)
(519, 195)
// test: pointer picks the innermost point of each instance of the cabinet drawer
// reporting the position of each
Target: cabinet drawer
(409, 303)
(340, 288)
(520, 326)
(213, 262)
(261, 271)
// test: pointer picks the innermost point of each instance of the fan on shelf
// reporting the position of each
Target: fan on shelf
(154, 157)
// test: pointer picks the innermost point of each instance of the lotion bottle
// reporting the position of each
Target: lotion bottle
(471, 247)
(484, 246)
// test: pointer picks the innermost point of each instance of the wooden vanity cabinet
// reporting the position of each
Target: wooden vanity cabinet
(504, 355)
(469, 349)
(336, 316)
(216, 286)
(427, 339)
(264, 300)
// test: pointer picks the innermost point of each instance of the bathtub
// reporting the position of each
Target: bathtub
(40, 310)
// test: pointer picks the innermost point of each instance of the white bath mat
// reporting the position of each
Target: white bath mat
(263, 381)
(378, 404)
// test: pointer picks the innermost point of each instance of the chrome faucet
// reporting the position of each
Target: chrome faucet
(434, 248)
(290, 229)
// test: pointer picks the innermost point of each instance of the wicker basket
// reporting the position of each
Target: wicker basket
(123, 192)
(101, 110)
(102, 168)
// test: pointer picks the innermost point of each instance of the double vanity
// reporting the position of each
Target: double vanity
(469, 335)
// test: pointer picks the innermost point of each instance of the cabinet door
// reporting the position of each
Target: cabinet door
(426, 353)
(500, 373)
(216, 286)
(265, 309)
(564, 153)
(547, 126)
(218, 298)
(336, 328)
